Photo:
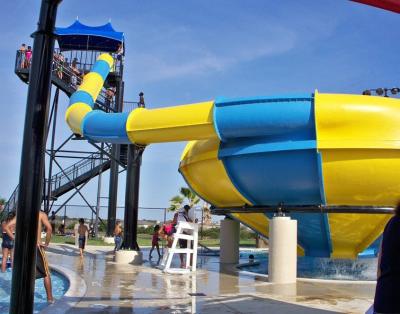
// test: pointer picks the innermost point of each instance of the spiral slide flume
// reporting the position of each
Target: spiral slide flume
(299, 149)
(141, 126)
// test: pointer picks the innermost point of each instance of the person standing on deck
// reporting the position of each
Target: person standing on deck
(83, 230)
(7, 246)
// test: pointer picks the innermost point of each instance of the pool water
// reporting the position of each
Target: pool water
(320, 268)
(60, 285)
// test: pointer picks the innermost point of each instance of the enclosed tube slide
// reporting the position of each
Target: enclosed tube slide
(299, 149)
(141, 126)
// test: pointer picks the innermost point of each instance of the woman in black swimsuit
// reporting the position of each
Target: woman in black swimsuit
(7, 245)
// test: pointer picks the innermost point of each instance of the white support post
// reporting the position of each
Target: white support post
(195, 245)
(188, 254)
(282, 262)
(229, 241)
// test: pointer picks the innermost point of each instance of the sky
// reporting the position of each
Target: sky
(189, 51)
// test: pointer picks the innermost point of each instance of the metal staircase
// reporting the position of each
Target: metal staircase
(85, 169)
(73, 176)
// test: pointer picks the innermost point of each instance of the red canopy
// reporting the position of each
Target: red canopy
(390, 5)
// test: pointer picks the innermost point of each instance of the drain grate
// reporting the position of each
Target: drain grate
(197, 294)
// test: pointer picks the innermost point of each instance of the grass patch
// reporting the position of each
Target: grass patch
(144, 240)
(215, 242)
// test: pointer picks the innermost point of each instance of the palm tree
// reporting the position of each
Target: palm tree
(206, 214)
(186, 195)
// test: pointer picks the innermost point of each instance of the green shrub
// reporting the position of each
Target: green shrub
(145, 230)
(212, 233)
(71, 225)
(246, 234)
(103, 227)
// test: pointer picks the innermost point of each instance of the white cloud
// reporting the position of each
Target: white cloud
(181, 51)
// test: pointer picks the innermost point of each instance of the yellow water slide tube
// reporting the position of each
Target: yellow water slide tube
(307, 149)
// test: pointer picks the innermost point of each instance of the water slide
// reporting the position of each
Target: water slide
(300, 149)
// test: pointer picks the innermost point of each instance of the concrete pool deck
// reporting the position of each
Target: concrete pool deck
(113, 288)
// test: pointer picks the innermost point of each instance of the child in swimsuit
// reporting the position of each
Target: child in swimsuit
(154, 241)
(117, 236)
(28, 57)
(168, 229)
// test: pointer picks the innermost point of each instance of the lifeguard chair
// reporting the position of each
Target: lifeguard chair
(186, 231)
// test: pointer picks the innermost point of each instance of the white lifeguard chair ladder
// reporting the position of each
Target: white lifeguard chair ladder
(186, 231)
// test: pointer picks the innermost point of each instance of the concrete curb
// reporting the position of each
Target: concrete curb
(76, 291)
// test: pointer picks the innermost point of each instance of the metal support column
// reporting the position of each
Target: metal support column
(132, 197)
(115, 152)
(32, 161)
(98, 203)
(113, 191)
(52, 151)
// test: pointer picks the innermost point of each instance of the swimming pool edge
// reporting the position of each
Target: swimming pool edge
(76, 291)
(238, 268)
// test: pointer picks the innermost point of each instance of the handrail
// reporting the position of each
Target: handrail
(76, 170)
(64, 177)
(86, 59)
(62, 71)
(12, 201)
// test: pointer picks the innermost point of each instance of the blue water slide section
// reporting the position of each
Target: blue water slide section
(274, 159)
(102, 68)
(264, 116)
(373, 249)
(313, 233)
(81, 96)
(99, 126)
(269, 178)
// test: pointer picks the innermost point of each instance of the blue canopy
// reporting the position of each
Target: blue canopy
(82, 37)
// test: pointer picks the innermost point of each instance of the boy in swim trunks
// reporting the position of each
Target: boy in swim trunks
(82, 231)
(42, 266)
(7, 245)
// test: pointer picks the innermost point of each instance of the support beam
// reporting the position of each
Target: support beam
(32, 161)
(64, 143)
(70, 197)
(132, 197)
(114, 171)
(113, 191)
(96, 223)
(76, 188)
(282, 262)
(111, 156)
(339, 209)
(52, 154)
(229, 241)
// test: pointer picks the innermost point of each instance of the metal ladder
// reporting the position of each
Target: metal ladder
(186, 231)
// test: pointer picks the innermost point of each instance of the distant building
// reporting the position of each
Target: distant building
(148, 223)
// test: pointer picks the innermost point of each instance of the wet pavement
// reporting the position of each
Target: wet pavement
(113, 288)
